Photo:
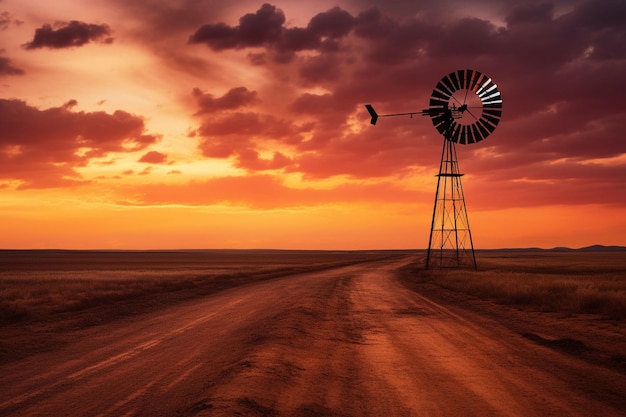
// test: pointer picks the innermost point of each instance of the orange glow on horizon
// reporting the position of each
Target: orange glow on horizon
(92, 223)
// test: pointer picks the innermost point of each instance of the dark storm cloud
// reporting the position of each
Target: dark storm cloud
(320, 69)
(533, 13)
(42, 148)
(255, 29)
(559, 64)
(604, 24)
(233, 99)
(233, 133)
(533, 35)
(599, 14)
(267, 28)
(335, 23)
(228, 132)
(73, 34)
(6, 68)
(394, 41)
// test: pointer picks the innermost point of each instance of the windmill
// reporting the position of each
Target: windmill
(465, 107)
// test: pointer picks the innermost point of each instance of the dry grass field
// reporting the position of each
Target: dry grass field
(40, 284)
(43, 284)
(569, 282)
(302, 333)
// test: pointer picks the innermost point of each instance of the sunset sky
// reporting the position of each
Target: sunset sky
(151, 124)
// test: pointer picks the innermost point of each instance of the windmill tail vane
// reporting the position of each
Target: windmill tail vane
(455, 112)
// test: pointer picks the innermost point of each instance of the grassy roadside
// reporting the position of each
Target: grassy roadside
(49, 298)
(37, 285)
(587, 283)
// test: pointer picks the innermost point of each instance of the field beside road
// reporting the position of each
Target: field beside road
(46, 283)
(273, 333)
(569, 282)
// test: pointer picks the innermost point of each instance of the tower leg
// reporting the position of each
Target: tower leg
(450, 244)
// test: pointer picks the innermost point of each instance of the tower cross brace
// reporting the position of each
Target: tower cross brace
(450, 243)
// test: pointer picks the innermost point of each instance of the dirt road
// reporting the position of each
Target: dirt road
(350, 341)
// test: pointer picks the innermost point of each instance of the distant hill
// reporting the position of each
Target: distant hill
(592, 248)
(602, 248)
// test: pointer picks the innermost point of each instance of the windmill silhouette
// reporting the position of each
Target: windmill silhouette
(465, 107)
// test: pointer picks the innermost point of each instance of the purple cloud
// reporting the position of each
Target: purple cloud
(73, 34)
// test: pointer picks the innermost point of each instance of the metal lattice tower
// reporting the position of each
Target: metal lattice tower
(450, 243)
(465, 107)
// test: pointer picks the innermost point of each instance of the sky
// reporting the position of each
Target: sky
(156, 124)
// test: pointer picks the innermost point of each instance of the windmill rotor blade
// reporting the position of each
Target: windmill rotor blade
(479, 123)
(468, 79)
(461, 77)
(448, 84)
(477, 134)
(489, 118)
(494, 113)
(455, 81)
(446, 110)
(440, 95)
(443, 89)
(456, 133)
(484, 132)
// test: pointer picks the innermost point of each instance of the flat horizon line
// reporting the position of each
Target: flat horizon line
(596, 247)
